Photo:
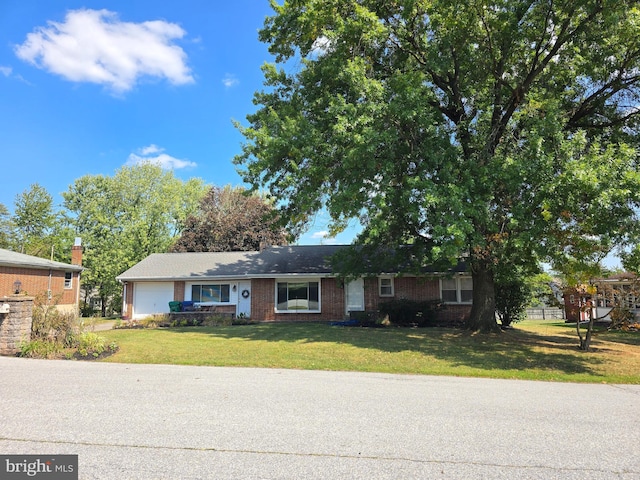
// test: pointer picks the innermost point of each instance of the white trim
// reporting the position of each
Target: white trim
(354, 290)
(458, 279)
(392, 285)
(70, 286)
(233, 295)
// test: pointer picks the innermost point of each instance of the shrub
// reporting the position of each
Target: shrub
(92, 345)
(50, 324)
(512, 296)
(217, 321)
(242, 319)
(621, 319)
(86, 310)
(366, 319)
(56, 334)
(410, 313)
(40, 349)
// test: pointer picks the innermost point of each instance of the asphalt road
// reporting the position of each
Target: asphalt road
(172, 422)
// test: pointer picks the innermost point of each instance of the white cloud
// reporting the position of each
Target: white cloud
(322, 234)
(320, 46)
(7, 71)
(230, 80)
(155, 154)
(151, 149)
(96, 46)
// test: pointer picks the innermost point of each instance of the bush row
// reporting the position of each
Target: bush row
(409, 313)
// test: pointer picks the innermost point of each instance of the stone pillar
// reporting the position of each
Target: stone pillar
(15, 326)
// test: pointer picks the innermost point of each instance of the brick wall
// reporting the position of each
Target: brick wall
(409, 288)
(263, 303)
(36, 282)
(332, 299)
(178, 291)
(418, 289)
(127, 300)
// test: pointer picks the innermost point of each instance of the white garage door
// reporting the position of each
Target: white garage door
(151, 297)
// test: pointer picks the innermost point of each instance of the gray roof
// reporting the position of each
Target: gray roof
(290, 260)
(14, 259)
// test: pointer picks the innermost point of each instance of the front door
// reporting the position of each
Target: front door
(244, 299)
(354, 291)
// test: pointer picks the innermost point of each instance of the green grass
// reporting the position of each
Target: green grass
(532, 351)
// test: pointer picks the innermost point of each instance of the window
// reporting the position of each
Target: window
(456, 290)
(68, 279)
(298, 296)
(215, 293)
(385, 286)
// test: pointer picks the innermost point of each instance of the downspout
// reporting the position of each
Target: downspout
(77, 303)
(49, 292)
(124, 299)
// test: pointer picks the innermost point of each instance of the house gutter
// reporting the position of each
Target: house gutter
(192, 278)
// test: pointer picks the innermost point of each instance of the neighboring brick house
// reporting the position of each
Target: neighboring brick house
(35, 276)
(292, 283)
(622, 289)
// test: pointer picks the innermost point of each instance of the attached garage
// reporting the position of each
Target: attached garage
(151, 298)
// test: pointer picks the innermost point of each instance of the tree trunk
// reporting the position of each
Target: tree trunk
(483, 311)
(585, 342)
(103, 299)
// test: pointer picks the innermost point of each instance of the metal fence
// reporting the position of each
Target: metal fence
(546, 313)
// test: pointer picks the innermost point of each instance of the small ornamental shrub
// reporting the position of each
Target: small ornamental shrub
(91, 345)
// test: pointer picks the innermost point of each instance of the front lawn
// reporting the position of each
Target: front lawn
(534, 350)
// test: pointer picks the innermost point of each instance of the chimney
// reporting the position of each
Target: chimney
(76, 252)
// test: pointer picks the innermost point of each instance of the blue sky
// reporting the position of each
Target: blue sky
(87, 87)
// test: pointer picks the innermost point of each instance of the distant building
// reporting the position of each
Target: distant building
(621, 290)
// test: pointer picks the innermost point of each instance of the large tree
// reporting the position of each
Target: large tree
(6, 227)
(39, 228)
(500, 130)
(229, 219)
(126, 217)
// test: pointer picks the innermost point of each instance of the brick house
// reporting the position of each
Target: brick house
(292, 283)
(599, 298)
(35, 276)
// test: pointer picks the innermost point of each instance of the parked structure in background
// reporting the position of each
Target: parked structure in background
(56, 282)
(291, 283)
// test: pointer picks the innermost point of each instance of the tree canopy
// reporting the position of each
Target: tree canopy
(38, 227)
(6, 227)
(504, 131)
(126, 217)
(229, 219)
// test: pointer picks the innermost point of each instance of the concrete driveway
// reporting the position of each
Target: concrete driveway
(172, 422)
